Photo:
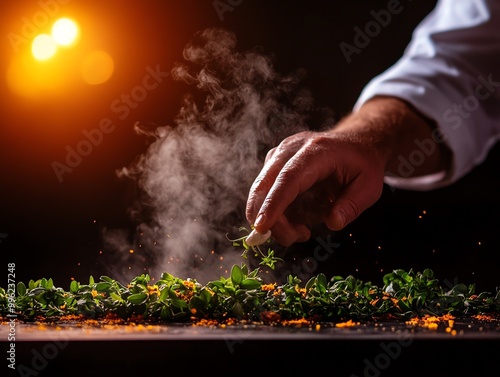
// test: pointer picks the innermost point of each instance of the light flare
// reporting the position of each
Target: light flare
(43, 47)
(65, 32)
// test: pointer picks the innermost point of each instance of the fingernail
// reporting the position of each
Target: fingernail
(260, 220)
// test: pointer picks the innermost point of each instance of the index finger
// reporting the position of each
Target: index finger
(297, 175)
(262, 184)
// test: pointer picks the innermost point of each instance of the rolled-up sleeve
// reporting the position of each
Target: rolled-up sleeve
(450, 72)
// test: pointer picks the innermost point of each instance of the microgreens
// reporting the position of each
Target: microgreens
(243, 295)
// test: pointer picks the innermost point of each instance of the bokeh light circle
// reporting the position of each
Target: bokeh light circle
(65, 32)
(43, 47)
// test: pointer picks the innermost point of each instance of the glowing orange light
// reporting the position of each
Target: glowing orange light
(131, 251)
(44, 47)
(65, 32)
(97, 68)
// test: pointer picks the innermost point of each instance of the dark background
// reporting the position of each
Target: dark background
(52, 228)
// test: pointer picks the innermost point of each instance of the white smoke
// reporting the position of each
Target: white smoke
(194, 178)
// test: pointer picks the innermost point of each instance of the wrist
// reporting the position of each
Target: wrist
(393, 130)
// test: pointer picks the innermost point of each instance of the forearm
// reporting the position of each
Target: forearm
(397, 133)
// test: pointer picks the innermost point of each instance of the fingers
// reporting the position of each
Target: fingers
(299, 173)
(342, 181)
(357, 197)
(263, 184)
(294, 167)
(286, 233)
(276, 159)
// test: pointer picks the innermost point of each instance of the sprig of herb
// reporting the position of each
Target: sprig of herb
(268, 259)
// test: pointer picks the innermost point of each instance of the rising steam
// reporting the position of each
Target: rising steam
(195, 175)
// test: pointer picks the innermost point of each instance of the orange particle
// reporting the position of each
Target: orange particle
(296, 322)
(268, 287)
(131, 251)
(349, 323)
(432, 326)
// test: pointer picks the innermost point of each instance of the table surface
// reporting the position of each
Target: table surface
(465, 328)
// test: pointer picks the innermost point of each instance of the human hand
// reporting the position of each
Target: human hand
(314, 177)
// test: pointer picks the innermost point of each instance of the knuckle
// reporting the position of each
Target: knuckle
(270, 154)
(352, 207)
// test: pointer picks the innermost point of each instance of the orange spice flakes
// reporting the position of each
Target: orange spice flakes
(277, 292)
(395, 302)
(296, 322)
(229, 322)
(189, 284)
(485, 317)
(432, 322)
(206, 322)
(349, 323)
(153, 289)
(185, 296)
(269, 317)
(301, 291)
(268, 287)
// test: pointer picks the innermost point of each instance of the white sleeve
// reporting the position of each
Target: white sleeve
(450, 72)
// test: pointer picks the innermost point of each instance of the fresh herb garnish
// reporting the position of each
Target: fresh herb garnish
(268, 259)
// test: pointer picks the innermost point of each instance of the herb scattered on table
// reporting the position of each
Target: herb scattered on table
(244, 296)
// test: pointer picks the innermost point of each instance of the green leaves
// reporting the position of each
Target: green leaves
(21, 289)
(268, 259)
(250, 283)
(236, 275)
(74, 286)
(137, 298)
(243, 295)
